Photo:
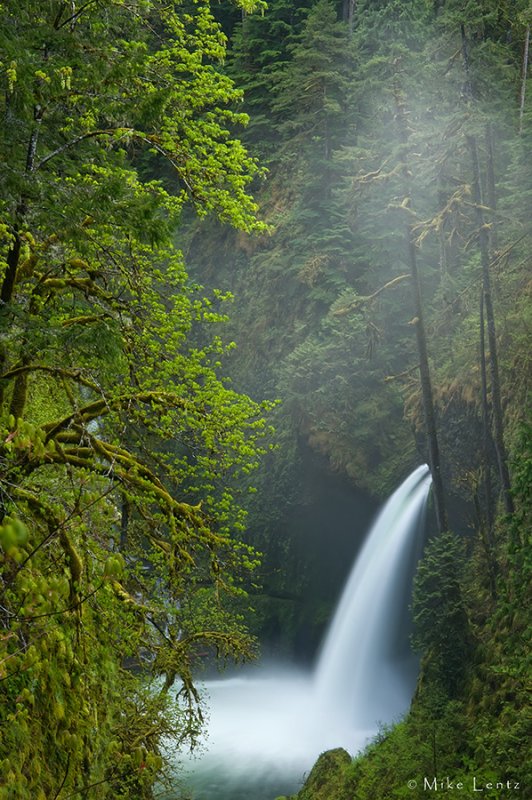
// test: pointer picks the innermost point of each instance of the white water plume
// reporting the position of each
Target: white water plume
(268, 727)
(356, 672)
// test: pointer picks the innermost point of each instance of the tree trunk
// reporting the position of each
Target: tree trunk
(6, 293)
(486, 519)
(524, 73)
(491, 191)
(348, 14)
(13, 258)
(124, 523)
(8, 284)
(426, 385)
(467, 88)
(20, 389)
(421, 338)
(486, 422)
(498, 431)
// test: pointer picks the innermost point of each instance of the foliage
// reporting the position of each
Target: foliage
(126, 458)
(122, 447)
(259, 47)
(439, 614)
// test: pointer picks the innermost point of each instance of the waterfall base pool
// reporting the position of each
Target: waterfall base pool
(265, 731)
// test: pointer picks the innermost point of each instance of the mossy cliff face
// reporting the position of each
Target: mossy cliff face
(327, 779)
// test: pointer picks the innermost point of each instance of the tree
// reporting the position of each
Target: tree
(120, 443)
(484, 38)
(419, 323)
(441, 625)
(498, 430)
(260, 45)
(314, 85)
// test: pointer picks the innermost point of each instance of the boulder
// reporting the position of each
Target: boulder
(327, 779)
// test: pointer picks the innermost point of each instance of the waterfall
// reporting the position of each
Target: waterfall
(267, 728)
(356, 673)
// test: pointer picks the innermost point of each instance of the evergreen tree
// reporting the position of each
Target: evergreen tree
(260, 45)
(440, 618)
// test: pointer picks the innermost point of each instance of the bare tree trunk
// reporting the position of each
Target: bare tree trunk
(498, 431)
(348, 14)
(486, 422)
(467, 88)
(491, 190)
(486, 519)
(424, 368)
(524, 73)
(426, 385)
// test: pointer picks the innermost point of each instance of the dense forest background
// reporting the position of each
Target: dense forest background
(377, 291)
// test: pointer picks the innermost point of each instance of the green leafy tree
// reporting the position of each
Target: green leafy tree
(121, 445)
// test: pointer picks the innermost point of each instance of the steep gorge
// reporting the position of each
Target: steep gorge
(324, 320)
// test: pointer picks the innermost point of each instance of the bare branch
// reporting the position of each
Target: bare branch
(74, 17)
(76, 141)
(340, 312)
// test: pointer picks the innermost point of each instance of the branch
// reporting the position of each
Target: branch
(85, 320)
(104, 406)
(76, 606)
(85, 285)
(44, 511)
(141, 137)
(130, 603)
(341, 312)
(128, 474)
(65, 776)
(74, 375)
(73, 142)
(164, 152)
(400, 375)
(75, 565)
(73, 18)
(56, 525)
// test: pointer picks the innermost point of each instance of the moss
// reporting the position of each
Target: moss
(327, 779)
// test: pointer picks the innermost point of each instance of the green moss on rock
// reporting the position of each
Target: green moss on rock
(327, 779)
